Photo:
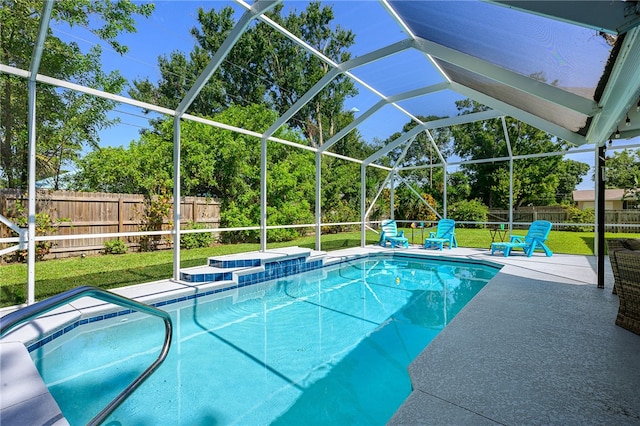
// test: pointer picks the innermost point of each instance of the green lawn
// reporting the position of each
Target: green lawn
(110, 271)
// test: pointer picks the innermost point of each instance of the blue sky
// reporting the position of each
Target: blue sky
(168, 29)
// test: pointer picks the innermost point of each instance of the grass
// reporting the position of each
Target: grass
(111, 271)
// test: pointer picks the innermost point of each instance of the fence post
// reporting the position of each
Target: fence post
(120, 215)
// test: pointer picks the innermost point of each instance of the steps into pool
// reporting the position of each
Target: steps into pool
(251, 268)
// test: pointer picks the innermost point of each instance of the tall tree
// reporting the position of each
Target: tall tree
(66, 121)
(623, 171)
(263, 67)
(216, 163)
(421, 152)
(570, 174)
(535, 181)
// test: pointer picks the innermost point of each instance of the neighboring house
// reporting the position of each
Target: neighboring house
(613, 199)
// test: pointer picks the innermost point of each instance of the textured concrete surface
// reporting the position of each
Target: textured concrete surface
(24, 400)
(538, 345)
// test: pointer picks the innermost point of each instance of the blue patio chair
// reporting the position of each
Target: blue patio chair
(444, 234)
(390, 233)
(535, 238)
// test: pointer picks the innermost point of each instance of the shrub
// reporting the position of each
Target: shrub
(197, 239)
(341, 212)
(45, 225)
(576, 215)
(115, 247)
(468, 211)
(157, 208)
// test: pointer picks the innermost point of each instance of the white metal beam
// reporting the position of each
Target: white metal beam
(521, 115)
(36, 57)
(176, 197)
(614, 17)
(508, 141)
(526, 84)
(621, 93)
(243, 23)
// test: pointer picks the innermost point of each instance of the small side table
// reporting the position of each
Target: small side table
(498, 233)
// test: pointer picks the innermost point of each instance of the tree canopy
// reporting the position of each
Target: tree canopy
(73, 120)
(623, 171)
(264, 67)
(536, 181)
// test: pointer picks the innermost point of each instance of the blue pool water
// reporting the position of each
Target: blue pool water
(330, 346)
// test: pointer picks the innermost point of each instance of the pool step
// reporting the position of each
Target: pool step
(254, 267)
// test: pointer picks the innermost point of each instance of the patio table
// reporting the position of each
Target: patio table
(498, 232)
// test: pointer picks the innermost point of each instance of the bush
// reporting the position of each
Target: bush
(45, 225)
(157, 208)
(468, 211)
(196, 240)
(576, 215)
(115, 247)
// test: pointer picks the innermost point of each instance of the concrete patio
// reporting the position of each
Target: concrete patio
(538, 345)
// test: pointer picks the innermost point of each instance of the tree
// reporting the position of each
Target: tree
(67, 120)
(623, 171)
(216, 163)
(263, 67)
(421, 152)
(570, 175)
(458, 187)
(535, 181)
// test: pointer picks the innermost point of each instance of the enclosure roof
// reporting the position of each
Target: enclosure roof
(569, 68)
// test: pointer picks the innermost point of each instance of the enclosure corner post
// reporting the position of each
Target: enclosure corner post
(176, 197)
(600, 214)
(363, 205)
(263, 195)
(318, 199)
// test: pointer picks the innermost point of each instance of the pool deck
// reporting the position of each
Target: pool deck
(537, 345)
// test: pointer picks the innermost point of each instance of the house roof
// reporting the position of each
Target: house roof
(589, 195)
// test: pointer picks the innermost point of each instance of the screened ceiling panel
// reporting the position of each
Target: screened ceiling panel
(399, 73)
(376, 31)
(559, 53)
(385, 122)
(571, 120)
(439, 104)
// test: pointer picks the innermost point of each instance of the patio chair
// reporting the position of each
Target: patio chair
(444, 234)
(390, 233)
(626, 270)
(535, 238)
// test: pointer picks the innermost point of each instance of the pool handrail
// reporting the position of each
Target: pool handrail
(13, 319)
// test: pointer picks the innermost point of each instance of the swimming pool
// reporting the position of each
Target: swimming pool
(329, 346)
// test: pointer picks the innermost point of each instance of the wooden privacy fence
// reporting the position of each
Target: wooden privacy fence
(76, 213)
(615, 219)
(554, 214)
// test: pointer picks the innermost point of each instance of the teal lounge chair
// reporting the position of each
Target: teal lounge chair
(444, 234)
(390, 233)
(535, 238)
